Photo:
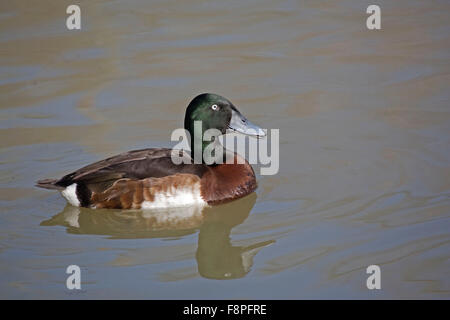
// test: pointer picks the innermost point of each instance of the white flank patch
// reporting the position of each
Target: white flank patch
(182, 196)
(70, 193)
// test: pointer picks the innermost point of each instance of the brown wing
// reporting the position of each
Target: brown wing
(137, 164)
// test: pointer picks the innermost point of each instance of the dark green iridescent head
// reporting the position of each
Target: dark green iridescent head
(219, 113)
(211, 111)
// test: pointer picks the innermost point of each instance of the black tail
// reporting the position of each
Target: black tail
(49, 184)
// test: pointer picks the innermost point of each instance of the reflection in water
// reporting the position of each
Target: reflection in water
(216, 257)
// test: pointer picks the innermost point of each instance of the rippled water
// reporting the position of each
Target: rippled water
(364, 140)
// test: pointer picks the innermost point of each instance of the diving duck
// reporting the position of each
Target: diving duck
(149, 178)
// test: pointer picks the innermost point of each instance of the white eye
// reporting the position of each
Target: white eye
(215, 107)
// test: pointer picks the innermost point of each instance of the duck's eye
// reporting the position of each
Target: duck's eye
(215, 107)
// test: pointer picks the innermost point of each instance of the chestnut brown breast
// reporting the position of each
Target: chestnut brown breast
(226, 182)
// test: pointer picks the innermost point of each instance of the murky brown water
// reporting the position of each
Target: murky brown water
(364, 130)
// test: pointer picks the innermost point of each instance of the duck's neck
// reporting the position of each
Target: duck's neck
(198, 148)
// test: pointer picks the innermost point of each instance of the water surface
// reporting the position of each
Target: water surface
(364, 147)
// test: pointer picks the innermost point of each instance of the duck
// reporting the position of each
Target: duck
(150, 179)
